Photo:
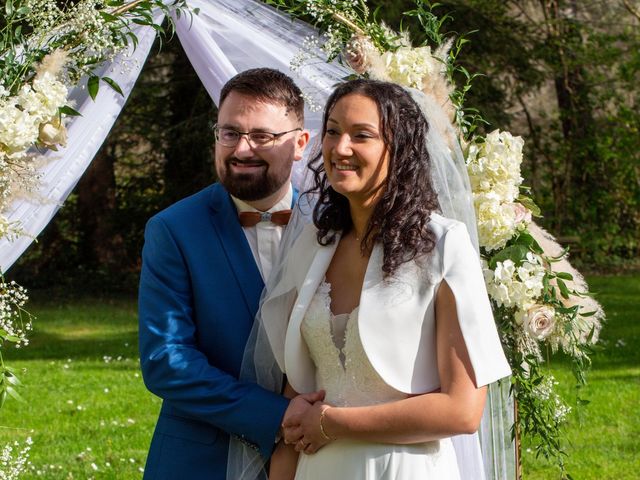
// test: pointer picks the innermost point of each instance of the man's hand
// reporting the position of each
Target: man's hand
(295, 412)
(305, 430)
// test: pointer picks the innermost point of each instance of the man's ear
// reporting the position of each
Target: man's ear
(301, 143)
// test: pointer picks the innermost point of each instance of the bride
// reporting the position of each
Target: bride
(385, 305)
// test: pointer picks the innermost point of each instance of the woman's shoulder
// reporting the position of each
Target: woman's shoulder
(440, 226)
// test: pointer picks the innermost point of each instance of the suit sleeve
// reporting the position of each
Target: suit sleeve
(172, 365)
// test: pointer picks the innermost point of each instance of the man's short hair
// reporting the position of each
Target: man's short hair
(267, 85)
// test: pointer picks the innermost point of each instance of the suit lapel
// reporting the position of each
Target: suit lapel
(236, 247)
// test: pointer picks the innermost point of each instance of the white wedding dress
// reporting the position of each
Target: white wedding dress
(345, 373)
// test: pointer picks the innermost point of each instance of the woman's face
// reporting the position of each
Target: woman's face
(355, 156)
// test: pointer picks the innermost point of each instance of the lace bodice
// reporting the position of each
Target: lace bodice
(342, 367)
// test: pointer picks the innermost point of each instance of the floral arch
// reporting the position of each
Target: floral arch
(224, 37)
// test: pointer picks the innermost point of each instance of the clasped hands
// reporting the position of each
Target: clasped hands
(301, 423)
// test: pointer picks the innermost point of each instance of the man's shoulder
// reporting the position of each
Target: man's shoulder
(196, 204)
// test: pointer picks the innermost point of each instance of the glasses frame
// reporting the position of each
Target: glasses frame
(265, 146)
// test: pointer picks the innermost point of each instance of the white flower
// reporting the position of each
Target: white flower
(496, 221)
(494, 165)
(538, 321)
(515, 286)
(53, 133)
(18, 129)
(410, 66)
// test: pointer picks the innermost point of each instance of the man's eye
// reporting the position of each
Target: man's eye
(228, 134)
(260, 137)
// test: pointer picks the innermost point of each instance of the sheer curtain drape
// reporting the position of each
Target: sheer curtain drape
(228, 36)
(62, 169)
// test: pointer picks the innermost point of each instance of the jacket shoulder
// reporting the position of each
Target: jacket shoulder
(195, 204)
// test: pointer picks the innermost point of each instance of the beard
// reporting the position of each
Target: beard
(257, 185)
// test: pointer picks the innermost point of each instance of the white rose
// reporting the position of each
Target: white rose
(539, 321)
(53, 133)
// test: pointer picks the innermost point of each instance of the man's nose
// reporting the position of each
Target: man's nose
(243, 147)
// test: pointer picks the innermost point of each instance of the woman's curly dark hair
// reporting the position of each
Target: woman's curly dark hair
(400, 218)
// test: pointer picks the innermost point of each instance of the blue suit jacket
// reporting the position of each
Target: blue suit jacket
(199, 293)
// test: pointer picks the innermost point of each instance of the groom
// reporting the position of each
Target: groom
(205, 260)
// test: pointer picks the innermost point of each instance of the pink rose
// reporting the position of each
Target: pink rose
(522, 213)
(539, 321)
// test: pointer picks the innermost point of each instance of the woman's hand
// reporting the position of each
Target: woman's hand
(307, 427)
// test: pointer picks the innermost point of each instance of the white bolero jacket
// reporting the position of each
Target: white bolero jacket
(396, 318)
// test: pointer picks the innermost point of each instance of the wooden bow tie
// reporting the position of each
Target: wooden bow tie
(251, 219)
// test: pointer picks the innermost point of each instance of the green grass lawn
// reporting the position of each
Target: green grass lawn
(86, 408)
(90, 416)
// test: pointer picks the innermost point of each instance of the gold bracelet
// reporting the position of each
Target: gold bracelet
(322, 430)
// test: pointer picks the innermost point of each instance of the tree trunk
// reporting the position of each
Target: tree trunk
(99, 244)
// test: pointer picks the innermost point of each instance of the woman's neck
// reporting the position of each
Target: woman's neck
(360, 216)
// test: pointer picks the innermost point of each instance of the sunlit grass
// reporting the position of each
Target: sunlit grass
(86, 407)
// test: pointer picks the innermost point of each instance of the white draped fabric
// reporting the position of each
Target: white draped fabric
(63, 169)
(227, 36)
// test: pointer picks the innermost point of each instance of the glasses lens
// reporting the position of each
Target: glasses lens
(261, 139)
(227, 136)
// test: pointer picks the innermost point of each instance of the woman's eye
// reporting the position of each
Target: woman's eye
(331, 131)
(363, 135)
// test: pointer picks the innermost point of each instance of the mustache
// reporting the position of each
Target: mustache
(253, 161)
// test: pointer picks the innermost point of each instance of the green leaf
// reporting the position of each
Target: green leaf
(517, 253)
(3, 397)
(12, 391)
(93, 85)
(108, 17)
(564, 291)
(112, 83)
(67, 110)
(8, 7)
(564, 275)
(530, 204)
(13, 380)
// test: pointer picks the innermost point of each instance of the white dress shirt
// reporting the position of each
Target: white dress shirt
(264, 238)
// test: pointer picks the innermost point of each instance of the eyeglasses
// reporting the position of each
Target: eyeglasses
(228, 137)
